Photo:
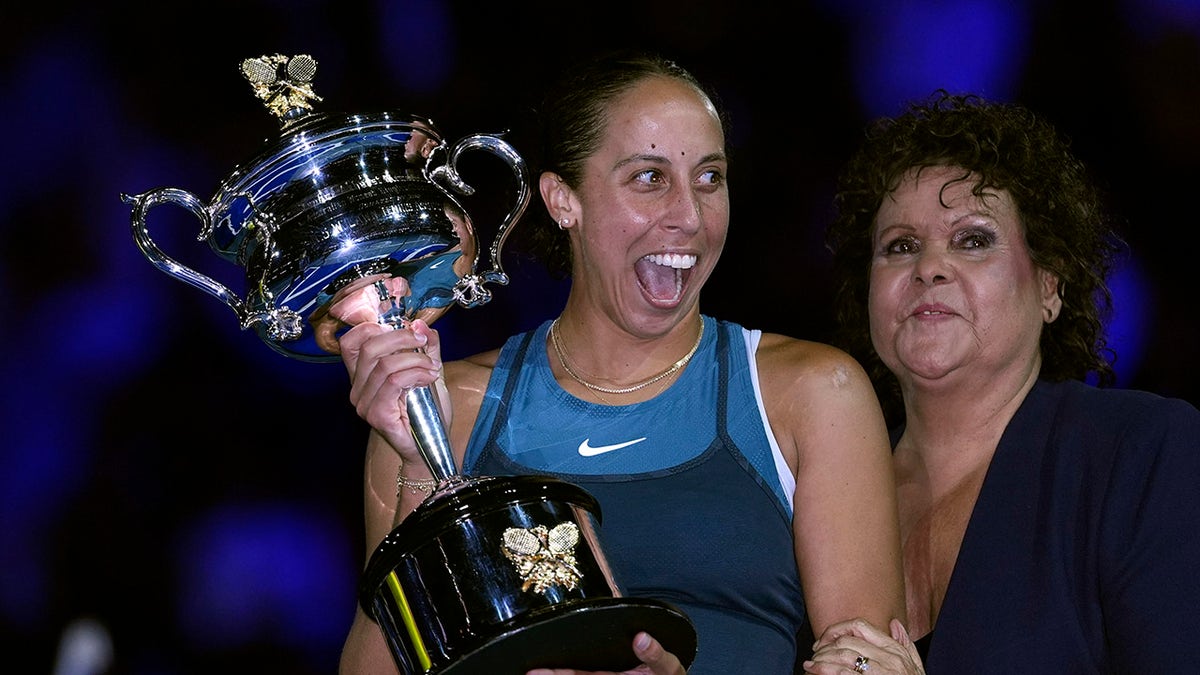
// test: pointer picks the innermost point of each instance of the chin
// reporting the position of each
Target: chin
(922, 369)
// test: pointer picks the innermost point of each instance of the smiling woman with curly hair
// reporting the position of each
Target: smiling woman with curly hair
(1047, 525)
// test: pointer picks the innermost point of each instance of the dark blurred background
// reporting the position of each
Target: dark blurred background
(178, 498)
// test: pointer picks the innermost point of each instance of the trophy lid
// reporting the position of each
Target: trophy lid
(332, 198)
(294, 166)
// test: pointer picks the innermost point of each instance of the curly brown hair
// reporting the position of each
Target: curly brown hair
(1007, 147)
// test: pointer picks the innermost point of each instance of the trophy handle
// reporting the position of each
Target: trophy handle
(142, 204)
(470, 291)
(424, 416)
(281, 323)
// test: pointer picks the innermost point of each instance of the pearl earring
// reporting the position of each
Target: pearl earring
(562, 223)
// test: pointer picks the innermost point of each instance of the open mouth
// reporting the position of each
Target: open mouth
(662, 275)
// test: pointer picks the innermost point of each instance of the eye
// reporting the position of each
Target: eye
(648, 176)
(712, 177)
(974, 239)
(904, 245)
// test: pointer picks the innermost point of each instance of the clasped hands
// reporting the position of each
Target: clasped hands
(858, 646)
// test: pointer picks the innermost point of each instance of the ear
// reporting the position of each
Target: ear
(1051, 300)
(559, 200)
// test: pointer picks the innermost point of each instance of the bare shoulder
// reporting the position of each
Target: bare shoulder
(472, 367)
(787, 364)
(467, 381)
(471, 374)
(818, 397)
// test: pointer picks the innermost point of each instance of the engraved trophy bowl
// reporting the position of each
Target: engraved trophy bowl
(489, 574)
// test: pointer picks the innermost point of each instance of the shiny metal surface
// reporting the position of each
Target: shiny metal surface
(334, 198)
(497, 614)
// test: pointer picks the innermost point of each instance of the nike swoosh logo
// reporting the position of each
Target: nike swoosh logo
(587, 450)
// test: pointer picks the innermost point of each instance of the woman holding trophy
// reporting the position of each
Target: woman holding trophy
(744, 477)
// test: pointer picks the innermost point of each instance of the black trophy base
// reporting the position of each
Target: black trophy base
(499, 575)
(592, 635)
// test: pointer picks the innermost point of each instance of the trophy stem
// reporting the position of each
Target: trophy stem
(429, 432)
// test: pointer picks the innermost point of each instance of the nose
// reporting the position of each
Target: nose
(931, 267)
(685, 211)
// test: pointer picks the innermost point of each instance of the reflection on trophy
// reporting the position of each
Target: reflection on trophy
(488, 574)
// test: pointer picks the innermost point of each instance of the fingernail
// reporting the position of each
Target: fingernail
(642, 641)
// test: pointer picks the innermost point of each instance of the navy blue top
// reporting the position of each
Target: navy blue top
(1082, 554)
(692, 510)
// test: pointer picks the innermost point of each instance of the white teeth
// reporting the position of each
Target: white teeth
(673, 260)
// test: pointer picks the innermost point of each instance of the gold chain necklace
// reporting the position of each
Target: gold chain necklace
(562, 359)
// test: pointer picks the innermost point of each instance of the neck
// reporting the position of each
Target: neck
(953, 431)
(634, 380)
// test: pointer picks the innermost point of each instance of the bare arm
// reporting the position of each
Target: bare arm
(827, 420)
(383, 365)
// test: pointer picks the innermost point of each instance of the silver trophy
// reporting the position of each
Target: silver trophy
(488, 574)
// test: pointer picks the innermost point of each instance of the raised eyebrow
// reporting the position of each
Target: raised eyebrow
(661, 159)
(653, 159)
(892, 228)
(973, 214)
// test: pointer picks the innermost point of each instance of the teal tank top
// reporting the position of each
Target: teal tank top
(692, 510)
